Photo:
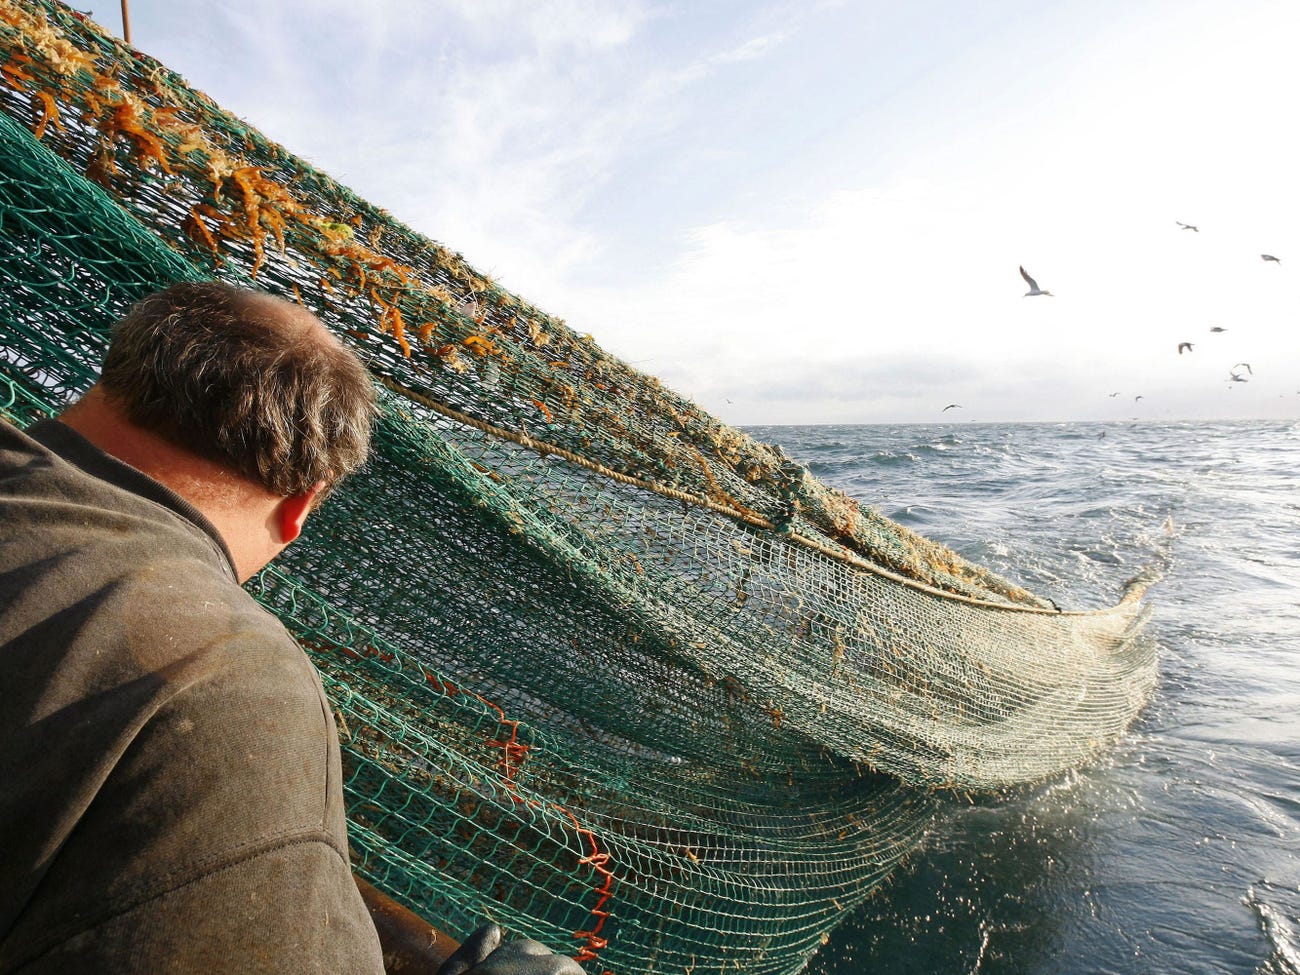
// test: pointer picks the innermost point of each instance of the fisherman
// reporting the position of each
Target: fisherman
(170, 780)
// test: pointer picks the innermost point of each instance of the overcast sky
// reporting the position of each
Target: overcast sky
(801, 212)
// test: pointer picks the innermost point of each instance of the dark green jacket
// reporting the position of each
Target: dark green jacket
(170, 785)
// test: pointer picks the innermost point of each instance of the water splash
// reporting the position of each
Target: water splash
(1280, 929)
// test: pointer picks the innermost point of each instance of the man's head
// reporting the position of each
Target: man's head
(242, 403)
(244, 379)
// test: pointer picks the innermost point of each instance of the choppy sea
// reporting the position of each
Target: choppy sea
(1180, 851)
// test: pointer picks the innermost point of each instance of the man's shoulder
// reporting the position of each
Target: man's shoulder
(139, 579)
(178, 604)
(57, 489)
(17, 449)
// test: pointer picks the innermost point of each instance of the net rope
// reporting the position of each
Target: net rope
(606, 670)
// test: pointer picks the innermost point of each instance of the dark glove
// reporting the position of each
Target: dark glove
(483, 954)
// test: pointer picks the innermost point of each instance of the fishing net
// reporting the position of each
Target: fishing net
(605, 669)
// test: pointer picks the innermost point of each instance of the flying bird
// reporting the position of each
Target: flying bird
(1187, 226)
(1034, 289)
(951, 406)
(1270, 257)
(1184, 347)
(1137, 397)
(1246, 364)
(1217, 328)
(1237, 378)
(1113, 395)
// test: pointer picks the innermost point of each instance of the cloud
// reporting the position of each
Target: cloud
(557, 27)
(845, 262)
(886, 304)
(496, 134)
(749, 49)
(864, 378)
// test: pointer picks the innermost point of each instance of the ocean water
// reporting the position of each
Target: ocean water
(1179, 852)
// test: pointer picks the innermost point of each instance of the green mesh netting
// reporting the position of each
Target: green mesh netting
(606, 670)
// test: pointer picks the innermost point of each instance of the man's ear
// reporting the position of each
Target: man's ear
(292, 512)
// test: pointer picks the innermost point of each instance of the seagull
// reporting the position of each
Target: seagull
(1217, 328)
(1246, 364)
(1270, 257)
(1184, 346)
(1034, 289)
(1187, 226)
(1137, 397)
(1113, 395)
(1235, 378)
(951, 406)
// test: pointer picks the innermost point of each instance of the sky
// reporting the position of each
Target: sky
(815, 212)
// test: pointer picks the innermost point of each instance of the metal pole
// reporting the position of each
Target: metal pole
(126, 23)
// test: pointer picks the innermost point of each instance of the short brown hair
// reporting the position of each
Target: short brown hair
(245, 379)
